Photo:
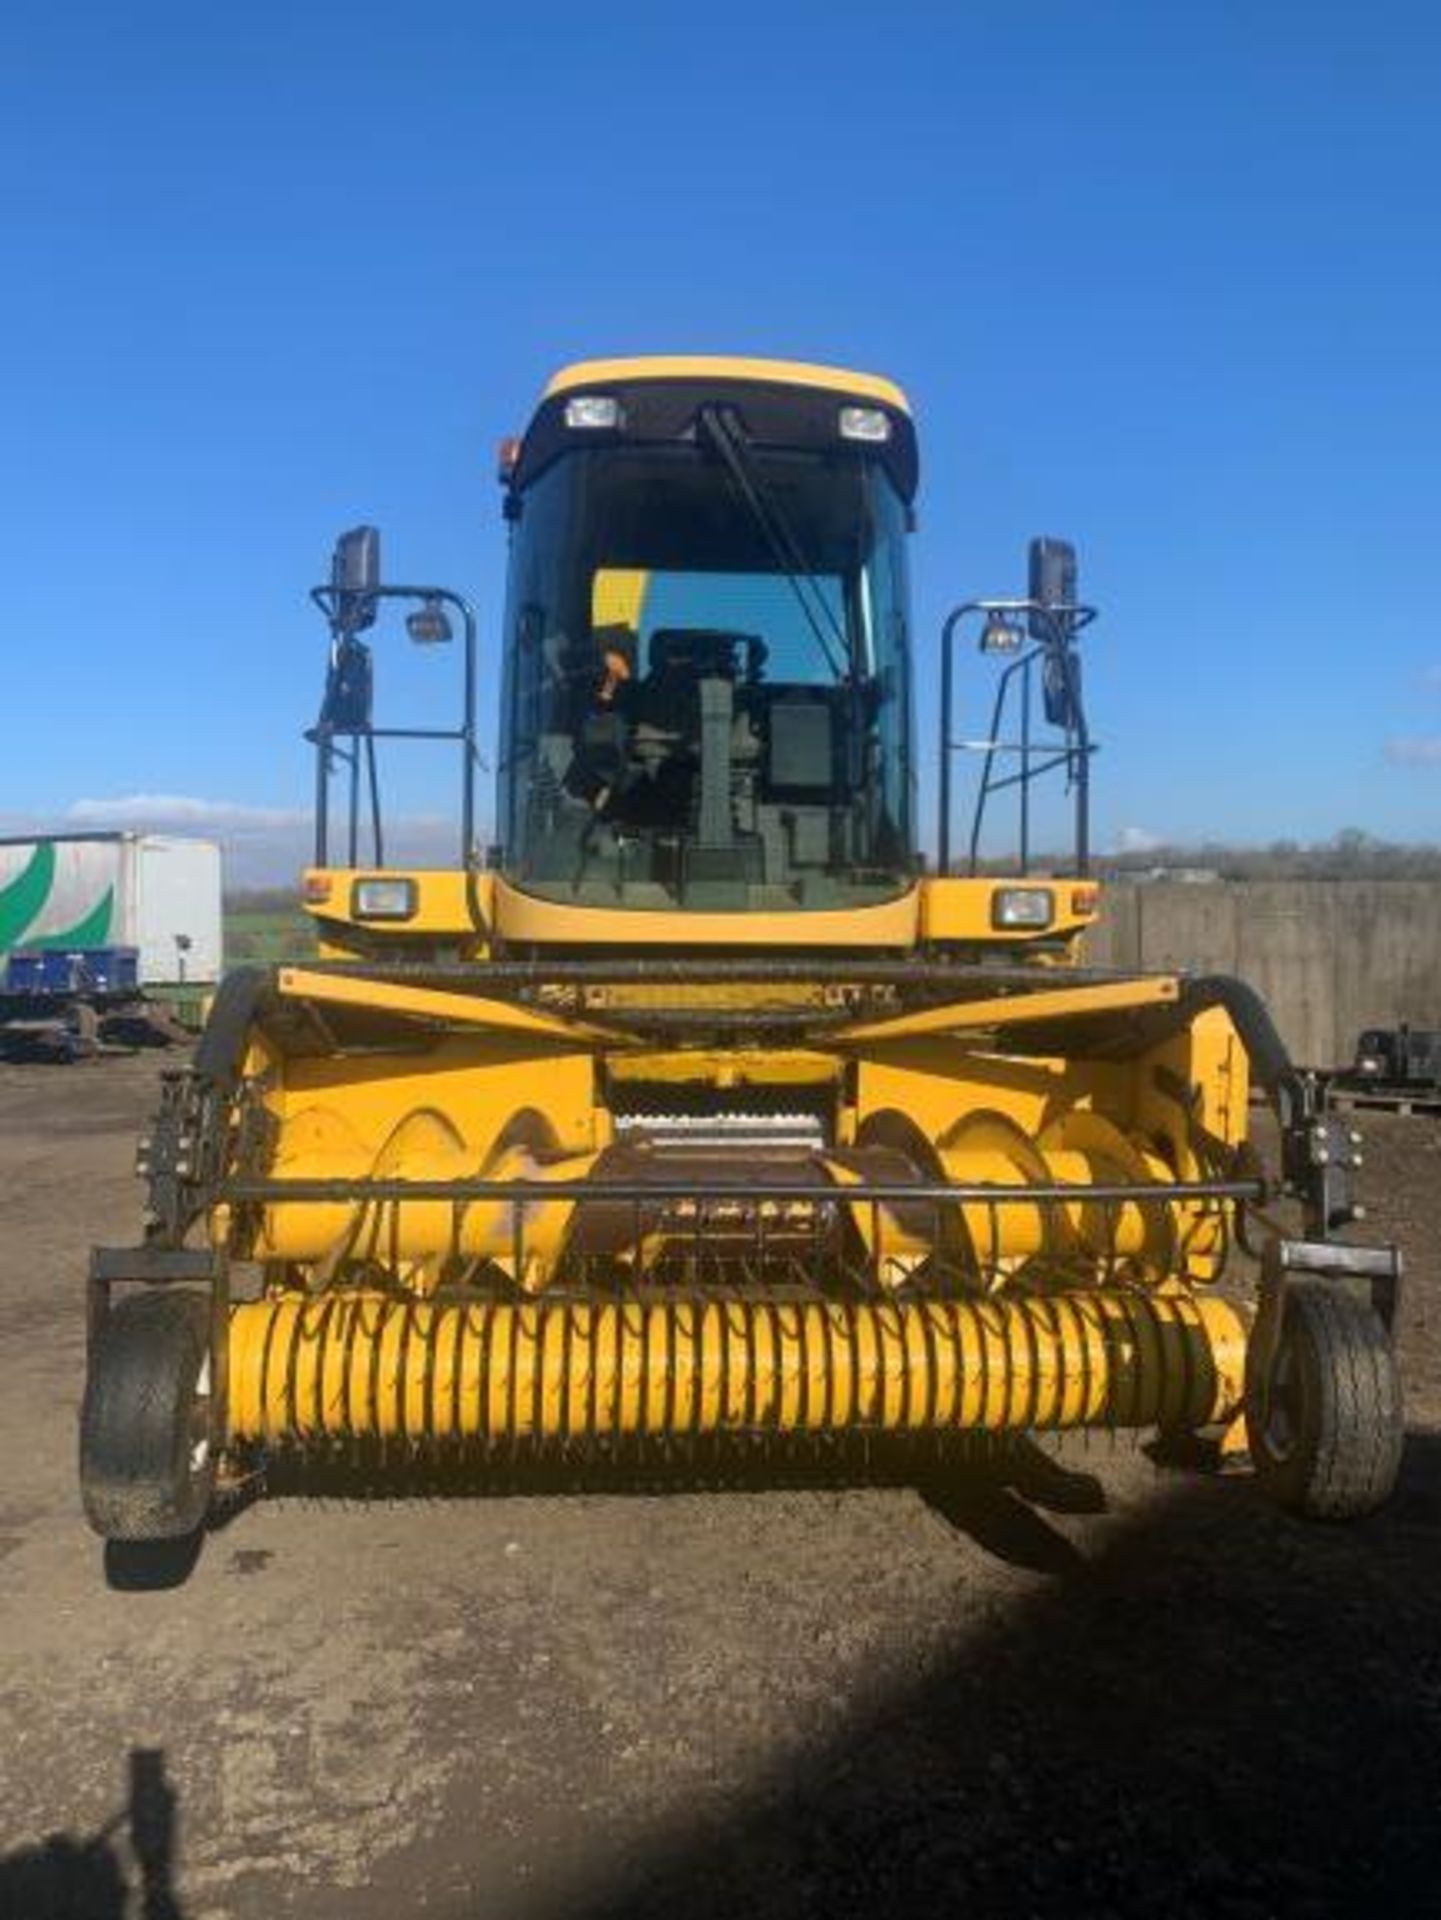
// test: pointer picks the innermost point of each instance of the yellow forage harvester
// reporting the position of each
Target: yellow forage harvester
(696, 1109)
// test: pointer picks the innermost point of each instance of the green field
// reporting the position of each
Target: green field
(269, 934)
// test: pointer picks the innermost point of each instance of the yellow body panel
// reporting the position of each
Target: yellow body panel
(448, 905)
(527, 919)
(705, 366)
(725, 1070)
(429, 1003)
(943, 912)
(959, 910)
(1011, 1010)
(617, 596)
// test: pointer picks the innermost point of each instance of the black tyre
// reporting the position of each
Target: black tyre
(146, 1465)
(1328, 1442)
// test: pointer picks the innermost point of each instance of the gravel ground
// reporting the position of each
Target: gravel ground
(1105, 1689)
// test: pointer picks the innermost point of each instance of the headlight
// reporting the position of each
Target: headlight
(592, 410)
(1023, 907)
(383, 899)
(865, 423)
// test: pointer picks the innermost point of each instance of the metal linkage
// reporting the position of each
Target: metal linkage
(680, 1226)
(661, 970)
(601, 1192)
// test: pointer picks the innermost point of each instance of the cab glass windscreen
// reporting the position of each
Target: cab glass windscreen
(708, 693)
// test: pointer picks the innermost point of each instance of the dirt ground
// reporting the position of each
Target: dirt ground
(1104, 1690)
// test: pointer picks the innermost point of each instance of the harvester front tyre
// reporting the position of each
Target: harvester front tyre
(1327, 1440)
(146, 1462)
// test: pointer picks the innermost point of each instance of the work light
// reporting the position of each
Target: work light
(865, 423)
(1023, 907)
(383, 899)
(589, 410)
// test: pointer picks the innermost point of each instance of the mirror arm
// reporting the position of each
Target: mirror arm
(328, 599)
(1054, 625)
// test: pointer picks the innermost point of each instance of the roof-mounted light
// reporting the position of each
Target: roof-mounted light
(865, 423)
(429, 625)
(588, 411)
(1000, 633)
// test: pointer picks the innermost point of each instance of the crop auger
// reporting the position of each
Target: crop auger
(695, 1112)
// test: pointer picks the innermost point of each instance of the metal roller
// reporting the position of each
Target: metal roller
(369, 1365)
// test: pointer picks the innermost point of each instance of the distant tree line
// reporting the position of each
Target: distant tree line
(1349, 855)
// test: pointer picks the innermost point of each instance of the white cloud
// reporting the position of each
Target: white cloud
(261, 846)
(155, 812)
(1138, 840)
(1419, 750)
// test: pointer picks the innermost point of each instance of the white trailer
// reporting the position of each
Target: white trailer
(78, 892)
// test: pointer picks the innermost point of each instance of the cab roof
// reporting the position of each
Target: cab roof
(720, 366)
(782, 403)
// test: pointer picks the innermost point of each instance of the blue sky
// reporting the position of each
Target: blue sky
(1163, 278)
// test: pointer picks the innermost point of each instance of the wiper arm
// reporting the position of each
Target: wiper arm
(730, 444)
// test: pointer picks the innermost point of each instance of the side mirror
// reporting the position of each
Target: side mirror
(1052, 582)
(354, 579)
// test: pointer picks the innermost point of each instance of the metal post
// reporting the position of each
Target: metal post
(1083, 803)
(1026, 677)
(943, 835)
(998, 714)
(355, 801)
(467, 798)
(379, 847)
(1083, 768)
(322, 795)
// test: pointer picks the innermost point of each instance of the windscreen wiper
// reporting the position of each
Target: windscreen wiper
(724, 434)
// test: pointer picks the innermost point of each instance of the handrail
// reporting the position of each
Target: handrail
(1060, 625)
(324, 736)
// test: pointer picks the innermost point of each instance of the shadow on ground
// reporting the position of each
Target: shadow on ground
(983, 1485)
(123, 1872)
(1227, 1712)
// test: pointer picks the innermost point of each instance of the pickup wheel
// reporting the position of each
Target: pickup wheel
(146, 1460)
(1326, 1436)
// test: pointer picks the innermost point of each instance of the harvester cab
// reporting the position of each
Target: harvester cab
(696, 1110)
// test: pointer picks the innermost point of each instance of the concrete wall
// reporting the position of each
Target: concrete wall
(1329, 956)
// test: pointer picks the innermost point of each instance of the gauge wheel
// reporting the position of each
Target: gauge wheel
(1326, 1436)
(146, 1460)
